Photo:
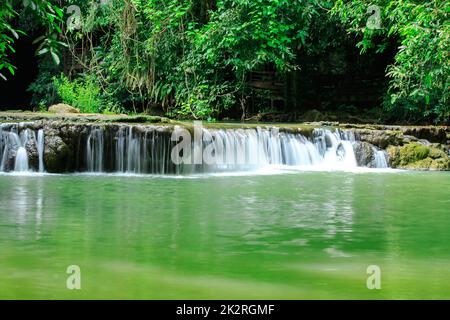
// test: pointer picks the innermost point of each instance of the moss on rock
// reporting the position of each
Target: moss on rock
(413, 152)
(418, 157)
(436, 153)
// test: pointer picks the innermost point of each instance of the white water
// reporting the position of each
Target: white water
(13, 148)
(40, 147)
(137, 152)
(380, 159)
(21, 162)
(95, 151)
(147, 150)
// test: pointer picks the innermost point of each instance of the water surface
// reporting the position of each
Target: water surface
(297, 235)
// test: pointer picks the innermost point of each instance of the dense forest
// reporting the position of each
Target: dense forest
(286, 60)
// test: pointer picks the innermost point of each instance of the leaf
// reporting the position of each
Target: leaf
(58, 11)
(55, 57)
(42, 51)
(15, 34)
(38, 39)
(11, 69)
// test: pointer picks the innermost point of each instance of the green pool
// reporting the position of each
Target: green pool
(296, 235)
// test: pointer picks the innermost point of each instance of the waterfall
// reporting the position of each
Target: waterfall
(120, 147)
(17, 141)
(335, 147)
(40, 148)
(13, 149)
(95, 151)
(147, 149)
(2, 148)
(21, 162)
(134, 153)
(380, 159)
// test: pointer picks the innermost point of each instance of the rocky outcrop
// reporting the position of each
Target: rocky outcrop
(62, 108)
(423, 147)
(417, 156)
(56, 153)
(414, 148)
(364, 153)
(385, 135)
(8, 158)
(429, 133)
(380, 138)
(32, 152)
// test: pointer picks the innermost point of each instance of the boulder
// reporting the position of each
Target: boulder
(56, 153)
(33, 154)
(364, 153)
(63, 108)
(380, 138)
(430, 133)
(417, 156)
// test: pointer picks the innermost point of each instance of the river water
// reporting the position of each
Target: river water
(291, 234)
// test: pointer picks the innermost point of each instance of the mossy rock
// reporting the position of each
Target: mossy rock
(436, 153)
(380, 137)
(416, 156)
(441, 164)
(137, 119)
(413, 152)
(430, 164)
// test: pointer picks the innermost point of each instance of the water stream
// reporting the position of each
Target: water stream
(151, 150)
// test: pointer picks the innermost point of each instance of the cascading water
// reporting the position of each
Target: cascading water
(335, 148)
(129, 150)
(40, 148)
(21, 161)
(15, 140)
(94, 151)
(380, 159)
(140, 149)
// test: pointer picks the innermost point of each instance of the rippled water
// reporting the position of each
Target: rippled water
(294, 235)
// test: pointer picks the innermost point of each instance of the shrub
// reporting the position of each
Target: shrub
(83, 93)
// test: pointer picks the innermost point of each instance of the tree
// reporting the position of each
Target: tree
(420, 75)
(46, 13)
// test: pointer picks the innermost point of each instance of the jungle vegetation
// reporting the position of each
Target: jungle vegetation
(214, 59)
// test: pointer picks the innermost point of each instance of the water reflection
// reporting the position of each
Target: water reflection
(226, 227)
(39, 206)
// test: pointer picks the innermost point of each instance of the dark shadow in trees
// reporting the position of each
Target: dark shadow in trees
(13, 93)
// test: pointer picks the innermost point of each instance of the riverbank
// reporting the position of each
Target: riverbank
(406, 147)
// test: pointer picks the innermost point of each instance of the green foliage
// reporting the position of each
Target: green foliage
(7, 37)
(46, 13)
(43, 87)
(420, 75)
(192, 61)
(83, 94)
(194, 58)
